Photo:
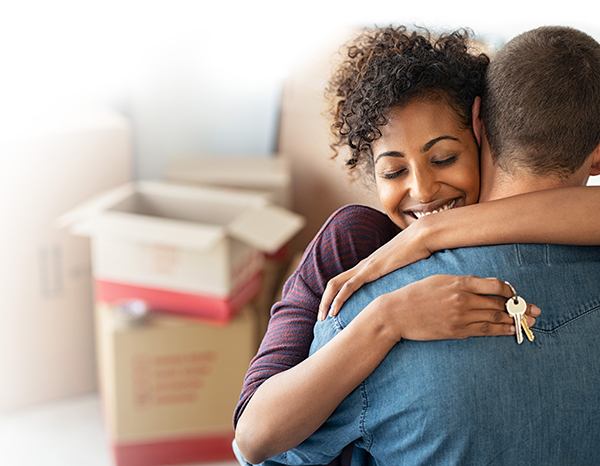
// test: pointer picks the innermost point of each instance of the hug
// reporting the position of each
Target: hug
(392, 343)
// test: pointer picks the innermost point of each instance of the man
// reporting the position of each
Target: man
(492, 400)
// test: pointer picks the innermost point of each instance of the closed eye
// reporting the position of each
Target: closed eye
(448, 161)
(391, 176)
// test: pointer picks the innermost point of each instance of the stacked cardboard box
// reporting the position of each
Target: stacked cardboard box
(169, 384)
(195, 260)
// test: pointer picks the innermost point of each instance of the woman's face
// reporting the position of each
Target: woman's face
(425, 161)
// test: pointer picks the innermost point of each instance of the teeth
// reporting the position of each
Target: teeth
(441, 209)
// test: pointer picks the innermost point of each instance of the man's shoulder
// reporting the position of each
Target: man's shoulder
(522, 254)
(501, 261)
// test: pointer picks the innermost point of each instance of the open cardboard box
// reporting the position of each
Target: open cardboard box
(187, 249)
(169, 384)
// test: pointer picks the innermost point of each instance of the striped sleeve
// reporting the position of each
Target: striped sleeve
(349, 235)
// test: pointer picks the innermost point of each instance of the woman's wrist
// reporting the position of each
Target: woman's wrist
(427, 232)
(385, 314)
(447, 230)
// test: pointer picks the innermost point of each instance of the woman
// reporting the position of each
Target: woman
(404, 110)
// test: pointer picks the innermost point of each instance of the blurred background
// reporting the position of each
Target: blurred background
(200, 76)
(96, 94)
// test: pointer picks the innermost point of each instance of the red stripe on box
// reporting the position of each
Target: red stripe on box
(216, 308)
(180, 451)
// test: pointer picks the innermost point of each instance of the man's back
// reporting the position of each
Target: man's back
(485, 400)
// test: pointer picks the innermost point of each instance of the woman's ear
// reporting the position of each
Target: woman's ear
(477, 123)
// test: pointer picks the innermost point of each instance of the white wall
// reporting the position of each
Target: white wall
(204, 76)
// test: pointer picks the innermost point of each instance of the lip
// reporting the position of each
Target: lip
(417, 212)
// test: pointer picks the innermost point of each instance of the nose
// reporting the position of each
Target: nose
(423, 185)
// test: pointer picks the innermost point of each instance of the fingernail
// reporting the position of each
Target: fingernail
(512, 329)
(530, 321)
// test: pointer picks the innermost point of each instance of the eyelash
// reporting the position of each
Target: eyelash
(449, 161)
(391, 176)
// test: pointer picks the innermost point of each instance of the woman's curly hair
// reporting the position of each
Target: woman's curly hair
(387, 67)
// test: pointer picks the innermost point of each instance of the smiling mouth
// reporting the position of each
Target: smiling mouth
(424, 212)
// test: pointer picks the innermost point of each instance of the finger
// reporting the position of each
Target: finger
(488, 286)
(533, 310)
(490, 316)
(476, 285)
(331, 290)
(496, 306)
(321, 315)
(487, 329)
(345, 292)
(493, 303)
(490, 323)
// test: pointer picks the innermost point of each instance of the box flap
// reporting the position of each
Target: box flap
(201, 193)
(258, 172)
(151, 230)
(95, 206)
(266, 228)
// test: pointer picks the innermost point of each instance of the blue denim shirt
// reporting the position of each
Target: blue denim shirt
(480, 401)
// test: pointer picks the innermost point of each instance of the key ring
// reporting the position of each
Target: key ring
(514, 292)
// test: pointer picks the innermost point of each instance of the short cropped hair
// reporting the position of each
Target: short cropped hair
(386, 67)
(541, 107)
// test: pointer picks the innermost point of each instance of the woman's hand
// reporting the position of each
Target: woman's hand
(444, 307)
(406, 247)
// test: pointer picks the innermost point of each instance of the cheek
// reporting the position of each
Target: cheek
(386, 193)
(383, 192)
(391, 195)
(469, 183)
(465, 175)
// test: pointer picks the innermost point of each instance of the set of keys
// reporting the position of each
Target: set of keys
(516, 307)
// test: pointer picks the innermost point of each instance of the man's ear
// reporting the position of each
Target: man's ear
(476, 117)
(595, 166)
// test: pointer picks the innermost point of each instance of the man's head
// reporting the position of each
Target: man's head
(541, 107)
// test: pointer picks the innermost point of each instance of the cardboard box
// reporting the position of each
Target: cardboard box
(195, 250)
(46, 329)
(169, 385)
(264, 174)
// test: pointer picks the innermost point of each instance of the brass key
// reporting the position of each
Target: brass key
(526, 329)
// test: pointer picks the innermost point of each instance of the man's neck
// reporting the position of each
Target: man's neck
(504, 185)
(497, 183)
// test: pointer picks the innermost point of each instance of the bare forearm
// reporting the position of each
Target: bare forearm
(558, 216)
(289, 407)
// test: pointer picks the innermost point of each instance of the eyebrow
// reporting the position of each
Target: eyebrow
(425, 148)
(433, 142)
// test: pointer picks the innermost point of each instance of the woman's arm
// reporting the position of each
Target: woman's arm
(557, 216)
(287, 408)
(348, 236)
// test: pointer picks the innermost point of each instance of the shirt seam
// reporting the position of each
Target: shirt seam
(362, 418)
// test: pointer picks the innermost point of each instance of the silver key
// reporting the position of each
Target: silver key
(516, 307)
